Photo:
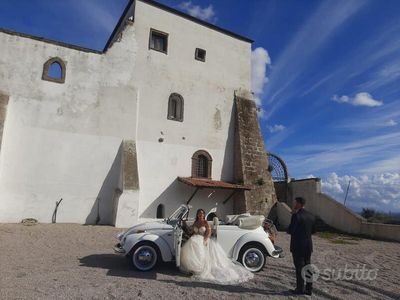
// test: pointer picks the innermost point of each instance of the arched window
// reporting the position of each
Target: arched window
(160, 211)
(175, 107)
(201, 164)
(54, 70)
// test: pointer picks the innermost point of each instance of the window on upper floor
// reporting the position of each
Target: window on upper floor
(201, 164)
(54, 70)
(175, 107)
(158, 41)
(200, 54)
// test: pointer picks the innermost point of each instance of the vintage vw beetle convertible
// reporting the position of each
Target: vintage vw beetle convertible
(241, 236)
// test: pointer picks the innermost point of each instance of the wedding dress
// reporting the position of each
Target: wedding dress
(208, 262)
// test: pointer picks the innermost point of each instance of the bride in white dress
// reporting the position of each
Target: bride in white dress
(206, 260)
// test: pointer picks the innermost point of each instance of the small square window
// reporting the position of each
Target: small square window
(200, 54)
(158, 41)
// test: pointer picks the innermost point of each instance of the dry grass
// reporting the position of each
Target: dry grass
(339, 238)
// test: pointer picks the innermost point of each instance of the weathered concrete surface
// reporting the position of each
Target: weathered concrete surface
(69, 261)
(251, 161)
(207, 89)
(130, 166)
(330, 211)
(336, 215)
(282, 191)
(3, 113)
(284, 213)
(63, 140)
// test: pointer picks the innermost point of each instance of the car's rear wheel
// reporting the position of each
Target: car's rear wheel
(145, 257)
(252, 257)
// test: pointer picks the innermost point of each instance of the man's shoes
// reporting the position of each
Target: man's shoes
(297, 292)
(308, 292)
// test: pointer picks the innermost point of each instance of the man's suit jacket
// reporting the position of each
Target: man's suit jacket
(302, 226)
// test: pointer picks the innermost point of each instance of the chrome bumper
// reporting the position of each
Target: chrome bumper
(118, 249)
(278, 251)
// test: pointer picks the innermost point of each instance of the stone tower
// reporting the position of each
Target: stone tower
(251, 160)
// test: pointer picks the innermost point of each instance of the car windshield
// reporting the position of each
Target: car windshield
(178, 214)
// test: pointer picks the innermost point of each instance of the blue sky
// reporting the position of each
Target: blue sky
(326, 75)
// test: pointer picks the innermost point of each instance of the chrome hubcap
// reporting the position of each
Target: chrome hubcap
(145, 258)
(253, 259)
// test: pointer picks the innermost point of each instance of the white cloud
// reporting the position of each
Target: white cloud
(380, 191)
(367, 155)
(97, 14)
(361, 99)
(386, 75)
(390, 123)
(300, 52)
(259, 61)
(276, 128)
(261, 112)
(203, 13)
(384, 116)
(388, 164)
(332, 185)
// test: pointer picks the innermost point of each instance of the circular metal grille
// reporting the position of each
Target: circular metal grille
(277, 167)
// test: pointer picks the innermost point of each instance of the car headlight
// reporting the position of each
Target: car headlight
(120, 235)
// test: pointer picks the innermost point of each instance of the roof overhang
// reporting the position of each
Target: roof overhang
(212, 184)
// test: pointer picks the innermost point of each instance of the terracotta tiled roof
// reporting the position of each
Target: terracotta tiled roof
(212, 184)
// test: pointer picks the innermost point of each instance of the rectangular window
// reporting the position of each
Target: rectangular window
(200, 54)
(158, 41)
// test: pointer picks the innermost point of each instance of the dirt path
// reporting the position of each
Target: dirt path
(68, 261)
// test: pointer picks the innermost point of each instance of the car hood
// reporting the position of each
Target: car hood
(147, 226)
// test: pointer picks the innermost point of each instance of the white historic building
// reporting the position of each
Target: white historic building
(112, 131)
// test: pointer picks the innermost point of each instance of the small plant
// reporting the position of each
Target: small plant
(368, 213)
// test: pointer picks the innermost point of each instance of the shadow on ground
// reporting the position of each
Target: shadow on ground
(121, 266)
(270, 291)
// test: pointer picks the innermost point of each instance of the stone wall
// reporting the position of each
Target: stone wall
(251, 161)
(130, 166)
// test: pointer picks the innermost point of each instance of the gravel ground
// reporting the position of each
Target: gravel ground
(69, 261)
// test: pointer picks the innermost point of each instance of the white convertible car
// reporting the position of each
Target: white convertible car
(241, 236)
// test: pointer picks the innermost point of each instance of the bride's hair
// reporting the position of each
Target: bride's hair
(197, 213)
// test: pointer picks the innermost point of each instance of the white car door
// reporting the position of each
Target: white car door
(227, 236)
(177, 244)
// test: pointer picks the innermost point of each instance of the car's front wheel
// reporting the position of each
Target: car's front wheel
(145, 257)
(252, 257)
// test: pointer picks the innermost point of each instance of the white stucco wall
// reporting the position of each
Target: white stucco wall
(60, 140)
(207, 88)
(63, 140)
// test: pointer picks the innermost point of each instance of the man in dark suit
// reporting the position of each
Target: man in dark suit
(302, 226)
